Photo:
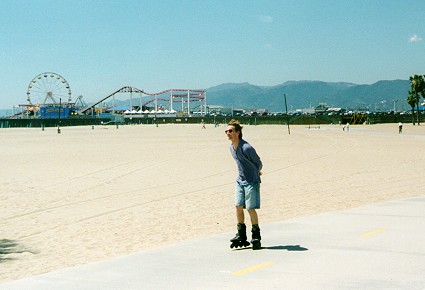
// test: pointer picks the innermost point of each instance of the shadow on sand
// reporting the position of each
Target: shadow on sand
(8, 247)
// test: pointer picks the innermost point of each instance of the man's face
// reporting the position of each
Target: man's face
(231, 133)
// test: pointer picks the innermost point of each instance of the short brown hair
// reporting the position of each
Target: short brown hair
(237, 125)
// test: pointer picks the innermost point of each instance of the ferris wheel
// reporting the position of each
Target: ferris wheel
(48, 89)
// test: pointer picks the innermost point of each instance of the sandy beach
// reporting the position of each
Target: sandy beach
(86, 195)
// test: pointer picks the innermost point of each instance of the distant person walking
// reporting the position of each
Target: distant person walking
(400, 127)
(247, 191)
(346, 127)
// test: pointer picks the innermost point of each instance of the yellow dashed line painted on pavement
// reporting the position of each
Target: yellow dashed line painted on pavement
(372, 233)
(251, 269)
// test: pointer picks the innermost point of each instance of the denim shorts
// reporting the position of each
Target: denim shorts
(248, 195)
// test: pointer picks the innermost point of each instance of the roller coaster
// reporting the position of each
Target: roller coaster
(184, 96)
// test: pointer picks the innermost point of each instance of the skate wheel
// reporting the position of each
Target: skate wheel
(240, 245)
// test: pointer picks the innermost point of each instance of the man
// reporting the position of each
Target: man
(247, 192)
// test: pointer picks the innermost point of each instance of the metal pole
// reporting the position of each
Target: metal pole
(188, 102)
(59, 115)
(205, 102)
(171, 101)
(287, 116)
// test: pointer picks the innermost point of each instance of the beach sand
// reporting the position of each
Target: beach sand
(86, 195)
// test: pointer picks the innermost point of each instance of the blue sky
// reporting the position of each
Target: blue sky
(101, 46)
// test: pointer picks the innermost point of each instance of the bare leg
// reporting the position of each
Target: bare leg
(254, 217)
(240, 215)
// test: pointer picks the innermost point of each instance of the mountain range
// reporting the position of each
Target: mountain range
(381, 96)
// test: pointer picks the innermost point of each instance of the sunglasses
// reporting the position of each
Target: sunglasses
(228, 131)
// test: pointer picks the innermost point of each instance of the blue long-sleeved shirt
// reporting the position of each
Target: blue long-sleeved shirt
(248, 162)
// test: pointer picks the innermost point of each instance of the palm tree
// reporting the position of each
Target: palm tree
(413, 100)
(417, 84)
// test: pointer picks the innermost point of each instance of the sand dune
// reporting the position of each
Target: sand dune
(85, 195)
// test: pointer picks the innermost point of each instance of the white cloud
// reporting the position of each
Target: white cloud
(415, 38)
(265, 18)
(268, 46)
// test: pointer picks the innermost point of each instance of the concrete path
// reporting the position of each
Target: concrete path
(379, 246)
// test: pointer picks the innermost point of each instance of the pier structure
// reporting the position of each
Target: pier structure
(163, 102)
